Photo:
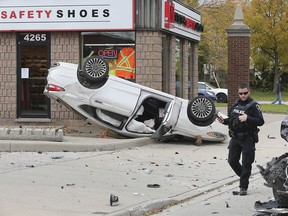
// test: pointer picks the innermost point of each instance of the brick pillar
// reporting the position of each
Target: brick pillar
(238, 55)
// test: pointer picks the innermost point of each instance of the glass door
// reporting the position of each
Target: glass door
(33, 63)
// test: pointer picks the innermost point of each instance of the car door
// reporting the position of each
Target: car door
(170, 119)
(117, 97)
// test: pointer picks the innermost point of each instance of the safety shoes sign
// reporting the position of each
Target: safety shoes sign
(18, 15)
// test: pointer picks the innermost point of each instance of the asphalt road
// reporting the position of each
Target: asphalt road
(197, 178)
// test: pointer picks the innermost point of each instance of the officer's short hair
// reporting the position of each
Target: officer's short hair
(243, 85)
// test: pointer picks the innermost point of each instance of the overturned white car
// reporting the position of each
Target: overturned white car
(127, 108)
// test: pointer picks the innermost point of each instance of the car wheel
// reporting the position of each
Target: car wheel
(222, 98)
(201, 110)
(95, 69)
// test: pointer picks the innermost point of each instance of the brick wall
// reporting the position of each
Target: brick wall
(149, 59)
(8, 78)
(64, 47)
(238, 64)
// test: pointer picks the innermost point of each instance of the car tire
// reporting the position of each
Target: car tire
(222, 98)
(201, 111)
(95, 69)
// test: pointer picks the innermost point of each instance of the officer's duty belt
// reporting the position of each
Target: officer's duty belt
(240, 134)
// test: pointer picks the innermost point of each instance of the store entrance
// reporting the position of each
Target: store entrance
(33, 61)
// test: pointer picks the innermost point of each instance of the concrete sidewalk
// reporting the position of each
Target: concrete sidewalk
(269, 102)
(146, 175)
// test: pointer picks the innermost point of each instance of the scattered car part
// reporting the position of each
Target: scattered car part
(284, 129)
(276, 172)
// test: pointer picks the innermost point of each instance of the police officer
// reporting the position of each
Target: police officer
(243, 119)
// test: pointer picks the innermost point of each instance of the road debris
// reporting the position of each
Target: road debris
(138, 194)
(57, 157)
(270, 137)
(153, 185)
(276, 175)
(114, 200)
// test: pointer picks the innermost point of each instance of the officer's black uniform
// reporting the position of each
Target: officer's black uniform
(243, 135)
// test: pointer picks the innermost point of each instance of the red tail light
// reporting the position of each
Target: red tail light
(52, 87)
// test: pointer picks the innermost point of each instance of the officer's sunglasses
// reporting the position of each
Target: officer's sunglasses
(242, 93)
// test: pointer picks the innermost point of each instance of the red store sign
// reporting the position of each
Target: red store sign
(181, 20)
(172, 17)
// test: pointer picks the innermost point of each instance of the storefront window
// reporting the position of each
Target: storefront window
(118, 48)
(179, 67)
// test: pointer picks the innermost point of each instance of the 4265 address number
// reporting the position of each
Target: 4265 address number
(35, 37)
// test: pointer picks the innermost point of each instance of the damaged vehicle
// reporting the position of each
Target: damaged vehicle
(284, 129)
(130, 109)
(276, 172)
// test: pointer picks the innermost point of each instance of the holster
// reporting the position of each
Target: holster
(255, 135)
(231, 134)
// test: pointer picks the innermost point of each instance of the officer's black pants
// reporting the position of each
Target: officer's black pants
(246, 146)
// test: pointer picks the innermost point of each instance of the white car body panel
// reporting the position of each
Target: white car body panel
(108, 98)
(124, 98)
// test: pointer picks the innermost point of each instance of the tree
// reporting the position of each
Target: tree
(269, 23)
(192, 3)
(216, 17)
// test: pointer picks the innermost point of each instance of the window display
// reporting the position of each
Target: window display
(118, 48)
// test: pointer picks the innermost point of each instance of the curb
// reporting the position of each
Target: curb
(73, 144)
(31, 133)
(144, 208)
